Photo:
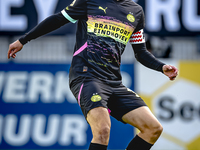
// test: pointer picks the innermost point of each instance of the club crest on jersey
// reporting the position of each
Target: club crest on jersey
(130, 17)
(103, 9)
(96, 98)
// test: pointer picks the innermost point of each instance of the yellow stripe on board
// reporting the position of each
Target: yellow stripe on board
(173, 139)
(190, 70)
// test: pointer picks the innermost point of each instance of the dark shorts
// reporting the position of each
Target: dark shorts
(119, 100)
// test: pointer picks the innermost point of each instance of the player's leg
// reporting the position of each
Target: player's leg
(126, 106)
(92, 96)
(149, 126)
(100, 124)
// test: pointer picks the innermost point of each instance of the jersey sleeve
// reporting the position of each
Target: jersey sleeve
(138, 35)
(75, 11)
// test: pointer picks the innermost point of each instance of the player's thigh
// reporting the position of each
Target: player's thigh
(123, 101)
(141, 118)
(99, 120)
(91, 94)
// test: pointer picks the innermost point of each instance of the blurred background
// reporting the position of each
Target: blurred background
(37, 109)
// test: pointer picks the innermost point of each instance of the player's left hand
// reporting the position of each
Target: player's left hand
(170, 71)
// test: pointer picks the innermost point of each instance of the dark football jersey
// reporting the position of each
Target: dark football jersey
(103, 31)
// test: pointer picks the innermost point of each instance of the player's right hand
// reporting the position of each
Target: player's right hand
(14, 48)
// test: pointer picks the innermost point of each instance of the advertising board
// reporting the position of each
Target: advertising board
(176, 104)
(38, 111)
(163, 18)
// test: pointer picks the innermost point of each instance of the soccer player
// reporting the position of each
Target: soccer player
(104, 29)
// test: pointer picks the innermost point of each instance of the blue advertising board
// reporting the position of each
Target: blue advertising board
(38, 111)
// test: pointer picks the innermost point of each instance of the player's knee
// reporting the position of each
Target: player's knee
(103, 134)
(153, 131)
(156, 131)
